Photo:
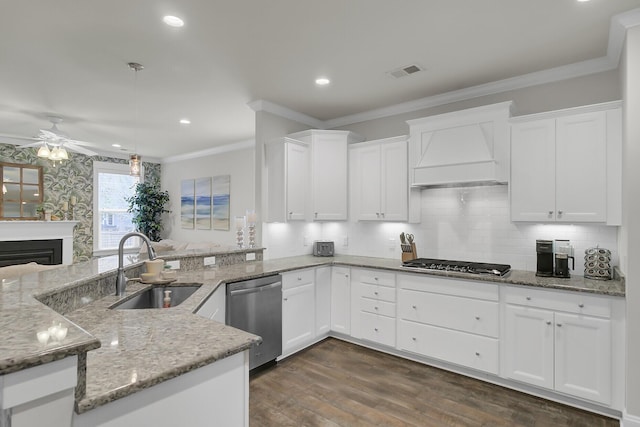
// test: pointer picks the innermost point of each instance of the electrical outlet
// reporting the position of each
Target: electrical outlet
(209, 260)
(175, 265)
(251, 256)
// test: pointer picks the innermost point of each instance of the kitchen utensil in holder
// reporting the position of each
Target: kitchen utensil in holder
(408, 251)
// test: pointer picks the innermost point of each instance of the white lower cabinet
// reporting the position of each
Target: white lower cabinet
(373, 306)
(298, 310)
(340, 300)
(560, 342)
(451, 320)
(323, 301)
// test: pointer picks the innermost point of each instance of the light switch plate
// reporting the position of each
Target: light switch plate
(209, 260)
(175, 265)
(251, 256)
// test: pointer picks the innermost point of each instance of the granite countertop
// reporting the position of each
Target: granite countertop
(127, 350)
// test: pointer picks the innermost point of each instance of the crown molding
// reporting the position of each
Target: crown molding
(241, 145)
(287, 113)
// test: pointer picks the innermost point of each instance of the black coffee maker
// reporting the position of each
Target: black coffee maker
(544, 250)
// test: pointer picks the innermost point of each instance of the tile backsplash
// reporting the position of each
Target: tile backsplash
(469, 224)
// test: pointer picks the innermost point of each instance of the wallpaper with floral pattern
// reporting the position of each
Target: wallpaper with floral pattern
(73, 177)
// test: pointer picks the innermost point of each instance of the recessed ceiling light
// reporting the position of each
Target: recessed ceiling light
(116, 145)
(173, 21)
(581, 1)
(185, 121)
(322, 81)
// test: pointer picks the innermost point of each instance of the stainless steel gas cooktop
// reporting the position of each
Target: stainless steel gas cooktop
(458, 266)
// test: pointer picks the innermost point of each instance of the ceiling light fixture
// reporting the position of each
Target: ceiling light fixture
(185, 121)
(135, 159)
(322, 81)
(173, 21)
(116, 145)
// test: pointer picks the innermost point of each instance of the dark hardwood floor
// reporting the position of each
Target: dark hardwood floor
(335, 383)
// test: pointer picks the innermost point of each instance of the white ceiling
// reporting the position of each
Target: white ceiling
(69, 58)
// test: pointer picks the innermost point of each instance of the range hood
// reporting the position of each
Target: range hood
(463, 148)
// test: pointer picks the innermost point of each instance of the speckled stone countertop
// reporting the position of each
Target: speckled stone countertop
(128, 350)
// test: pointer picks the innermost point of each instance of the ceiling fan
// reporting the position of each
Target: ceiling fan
(54, 143)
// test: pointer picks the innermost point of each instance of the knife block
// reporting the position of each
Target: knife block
(408, 256)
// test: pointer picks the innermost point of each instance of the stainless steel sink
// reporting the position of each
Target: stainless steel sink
(153, 297)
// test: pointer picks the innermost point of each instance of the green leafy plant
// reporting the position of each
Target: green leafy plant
(147, 206)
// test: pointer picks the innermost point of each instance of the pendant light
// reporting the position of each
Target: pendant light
(135, 159)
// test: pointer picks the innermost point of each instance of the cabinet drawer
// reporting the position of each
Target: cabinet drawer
(297, 278)
(381, 293)
(463, 314)
(464, 349)
(378, 307)
(571, 302)
(380, 329)
(449, 286)
(374, 277)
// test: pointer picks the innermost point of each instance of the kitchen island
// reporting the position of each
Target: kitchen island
(143, 349)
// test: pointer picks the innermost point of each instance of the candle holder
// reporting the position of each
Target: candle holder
(240, 221)
(251, 219)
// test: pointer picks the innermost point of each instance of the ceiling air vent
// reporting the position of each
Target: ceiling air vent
(405, 71)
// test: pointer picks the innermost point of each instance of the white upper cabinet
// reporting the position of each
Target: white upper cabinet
(329, 172)
(565, 166)
(379, 180)
(288, 178)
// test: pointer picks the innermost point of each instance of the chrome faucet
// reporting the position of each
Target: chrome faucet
(121, 280)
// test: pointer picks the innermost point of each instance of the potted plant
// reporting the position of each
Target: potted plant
(147, 206)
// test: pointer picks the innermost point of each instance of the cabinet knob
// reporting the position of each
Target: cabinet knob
(375, 293)
(550, 213)
(378, 214)
(414, 307)
(477, 317)
(560, 213)
(375, 308)
(559, 325)
(581, 305)
(414, 338)
(299, 278)
(346, 275)
(477, 353)
(528, 298)
(375, 278)
(382, 214)
(375, 329)
(315, 214)
(548, 322)
(286, 299)
(290, 213)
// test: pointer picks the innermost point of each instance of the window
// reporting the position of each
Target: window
(112, 186)
(21, 191)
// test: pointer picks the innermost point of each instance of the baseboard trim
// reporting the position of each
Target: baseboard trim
(629, 420)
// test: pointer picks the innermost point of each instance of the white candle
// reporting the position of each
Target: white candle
(239, 222)
(74, 200)
(252, 217)
(65, 206)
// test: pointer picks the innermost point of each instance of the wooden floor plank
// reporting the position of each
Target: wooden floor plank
(335, 383)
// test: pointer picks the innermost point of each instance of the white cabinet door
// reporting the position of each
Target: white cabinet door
(583, 356)
(297, 181)
(367, 176)
(581, 168)
(298, 317)
(533, 168)
(394, 185)
(340, 300)
(323, 300)
(329, 177)
(529, 344)
(287, 176)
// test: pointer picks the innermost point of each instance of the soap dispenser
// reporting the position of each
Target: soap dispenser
(166, 302)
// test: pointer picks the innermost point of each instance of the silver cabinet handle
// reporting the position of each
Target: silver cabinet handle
(550, 213)
(528, 298)
(375, 308)
(375, 293)
(286, 299)
(581, 305)
(559, 325)
(414, 338)
(560, 213)
(414, 307)
(548, 322)
(375, 278)
(477, 317)
(477, 353)
(375, 329)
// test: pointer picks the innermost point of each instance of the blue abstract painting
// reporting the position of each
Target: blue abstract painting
(187, 203)
(221, 199)
(203, 203)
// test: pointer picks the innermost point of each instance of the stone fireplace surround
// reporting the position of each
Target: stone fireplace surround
(41, 230)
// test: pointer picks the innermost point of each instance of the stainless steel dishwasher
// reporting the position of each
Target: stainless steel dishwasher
(255, 306)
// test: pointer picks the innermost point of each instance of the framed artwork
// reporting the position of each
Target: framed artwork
(203, 203)
(221, 197)
(187, 203)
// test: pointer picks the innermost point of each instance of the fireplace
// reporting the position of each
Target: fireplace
(12, 233)
(47, 252)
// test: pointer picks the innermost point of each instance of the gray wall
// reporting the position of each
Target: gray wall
(592, 89)
(630, 230)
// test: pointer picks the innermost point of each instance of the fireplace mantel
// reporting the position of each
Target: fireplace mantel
(39, 230)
